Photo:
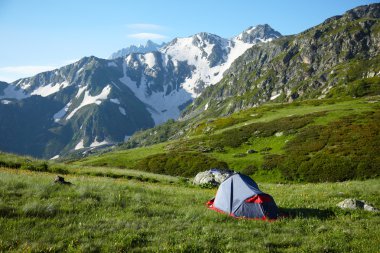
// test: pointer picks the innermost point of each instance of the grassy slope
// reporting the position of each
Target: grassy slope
(25, 163)
(334, 110)
(126, 215)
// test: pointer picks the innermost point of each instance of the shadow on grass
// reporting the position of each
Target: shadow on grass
(306, 213)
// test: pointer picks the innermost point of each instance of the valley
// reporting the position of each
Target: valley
(298, 113)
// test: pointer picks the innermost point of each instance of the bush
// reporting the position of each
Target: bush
(236, 137)
(325, 168)
(249, 170)
(239, 155)
(10, 164)
(58, 169)
(345, 149)
(41, 167)
(186, 164)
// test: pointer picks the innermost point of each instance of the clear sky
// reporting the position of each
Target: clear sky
(37, 35)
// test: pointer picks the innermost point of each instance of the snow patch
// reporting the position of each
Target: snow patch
(184, 50)
(122, 111)
(5, 102)
(150, 60)
(54, 157)
(115, 101)
(162, 107)
(127, 137)
(80, 145)
(275, 96)
(79, 71)
(96, 143)
(49, 89)
(61, 113)
(88, 99)
(80, 91)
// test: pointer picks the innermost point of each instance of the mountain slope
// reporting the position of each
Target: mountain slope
(336, 58)
(96, 102)
(213, 55)
(312, 140)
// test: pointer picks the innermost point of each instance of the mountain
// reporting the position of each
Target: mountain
(150, 46)
(339, 57)
(96, 102)
(213, 55)
(336, 59)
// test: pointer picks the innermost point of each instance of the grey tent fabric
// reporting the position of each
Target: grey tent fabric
(232, 195)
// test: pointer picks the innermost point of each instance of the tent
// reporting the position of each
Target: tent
(239, 196)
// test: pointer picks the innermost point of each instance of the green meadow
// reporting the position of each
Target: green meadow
(277, 135)
(308, 155)
(121, 215)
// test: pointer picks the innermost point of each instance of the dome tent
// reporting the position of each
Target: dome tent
(239, 196)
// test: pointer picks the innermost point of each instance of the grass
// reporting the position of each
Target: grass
(257, 144)
(228, 139)
(270, 112)
(122, 159)
(121, 173)
(118, 215)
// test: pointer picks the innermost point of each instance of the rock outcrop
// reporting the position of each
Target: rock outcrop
(356, 204)
(213, 177)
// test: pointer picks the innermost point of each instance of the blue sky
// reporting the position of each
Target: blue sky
(38, 35)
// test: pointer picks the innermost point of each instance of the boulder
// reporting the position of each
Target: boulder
(239, 155)
(61, 180)
(251, 151)
(213, 176)
(356, 204)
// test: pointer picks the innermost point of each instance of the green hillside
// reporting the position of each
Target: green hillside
(314, 140)
(337, 58)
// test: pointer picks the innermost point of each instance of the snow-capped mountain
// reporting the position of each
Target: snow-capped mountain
(212, 55)
(150, 46)
(96, 102)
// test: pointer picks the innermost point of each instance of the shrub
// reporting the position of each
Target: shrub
(345, 149)
(58, 169)
(272, 162)
(239, 155)
(186, 164)
(249, 170)
(42, 167)
(236, 137)
(10, 164)
(325, 168)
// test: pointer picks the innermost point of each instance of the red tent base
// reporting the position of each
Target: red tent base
(210, 205)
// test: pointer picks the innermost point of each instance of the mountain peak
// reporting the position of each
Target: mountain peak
(370, 11)
(254, 34)
(149, 46)
(201, 38)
